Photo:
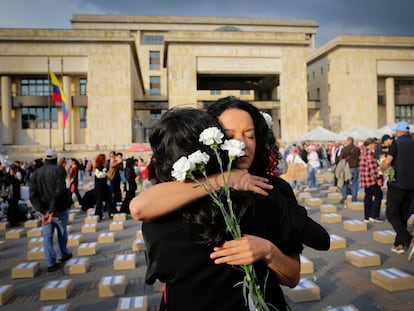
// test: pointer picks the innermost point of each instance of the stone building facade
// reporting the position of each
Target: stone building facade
(120, 73)
(362, 80)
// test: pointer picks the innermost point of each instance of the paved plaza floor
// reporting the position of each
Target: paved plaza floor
(336, 278)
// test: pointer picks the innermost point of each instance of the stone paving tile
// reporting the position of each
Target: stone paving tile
(340, 283)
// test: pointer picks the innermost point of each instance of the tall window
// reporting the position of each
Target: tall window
(153, 40)
(155, 114)
(82, 86)
(154, 60)
(38, 117)
(155, 85)
(82, 116)
(404, 100)
(35, 87)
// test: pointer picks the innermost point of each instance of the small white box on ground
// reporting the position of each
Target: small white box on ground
(93, 219)
(138, 245)
(355, 225)
(125, 262)
(25, 270)
(35, 232)
(392, 279)
(32, 223)
(314, 202)
(337, 242)
(71, 217)
(328, 208)
(303, 195)
(74, 239)
(305, 291)
(77, 265)
(89, 228)
(334, 197)
(61, 307)
(110, 286)
(120, 217)
(4, 225)
(3, 245)
(331, 218)
(106, 237)
(116, 226)
(87, 249)
(355, 206)
(56, 290)
(342, 308)
(384, 236)
(363, 258)
(37, 253)
(137, 303)
(6, 292)
(15, 234)
(306, 266)
(35, 242)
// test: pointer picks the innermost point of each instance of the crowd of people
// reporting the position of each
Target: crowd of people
(373, 166)
(129, 174)
(48, 187)
(185, 235)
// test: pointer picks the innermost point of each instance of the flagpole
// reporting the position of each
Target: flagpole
(49, 103)
(63, 122)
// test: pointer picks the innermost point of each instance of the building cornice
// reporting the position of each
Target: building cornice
(66, 35)
(361, 41)
(138, 19)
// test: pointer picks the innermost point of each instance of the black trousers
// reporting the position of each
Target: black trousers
(397, 212)
(372, 201)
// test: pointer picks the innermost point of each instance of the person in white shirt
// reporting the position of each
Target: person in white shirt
(314, 164)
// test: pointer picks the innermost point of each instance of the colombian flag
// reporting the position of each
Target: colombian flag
(58, 96)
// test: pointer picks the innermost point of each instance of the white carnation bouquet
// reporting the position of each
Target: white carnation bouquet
(183, 169)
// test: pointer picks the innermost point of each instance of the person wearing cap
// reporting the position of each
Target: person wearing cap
(400, 188)
(383, 148)
(371, 182)
(50, 197)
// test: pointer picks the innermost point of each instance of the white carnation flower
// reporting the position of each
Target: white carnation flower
(198, 157)
(180, 168)
(234, 147)
(211, 135)
(268, 118)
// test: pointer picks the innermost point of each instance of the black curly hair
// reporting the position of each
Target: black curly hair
(265, 140)
(175, 135)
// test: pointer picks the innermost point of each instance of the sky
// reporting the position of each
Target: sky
(335, 17)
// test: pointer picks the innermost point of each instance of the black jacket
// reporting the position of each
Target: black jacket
(48, 190)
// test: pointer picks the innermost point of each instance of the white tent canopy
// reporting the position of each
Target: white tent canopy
(359, 133)
(321, 134)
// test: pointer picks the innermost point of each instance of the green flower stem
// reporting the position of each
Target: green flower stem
(250, 284)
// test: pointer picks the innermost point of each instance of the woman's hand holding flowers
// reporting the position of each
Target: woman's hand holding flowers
(242, 180)
(243, 251)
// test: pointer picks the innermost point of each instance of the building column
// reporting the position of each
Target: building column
(6, 122)
(390, 100)
(69, 124)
